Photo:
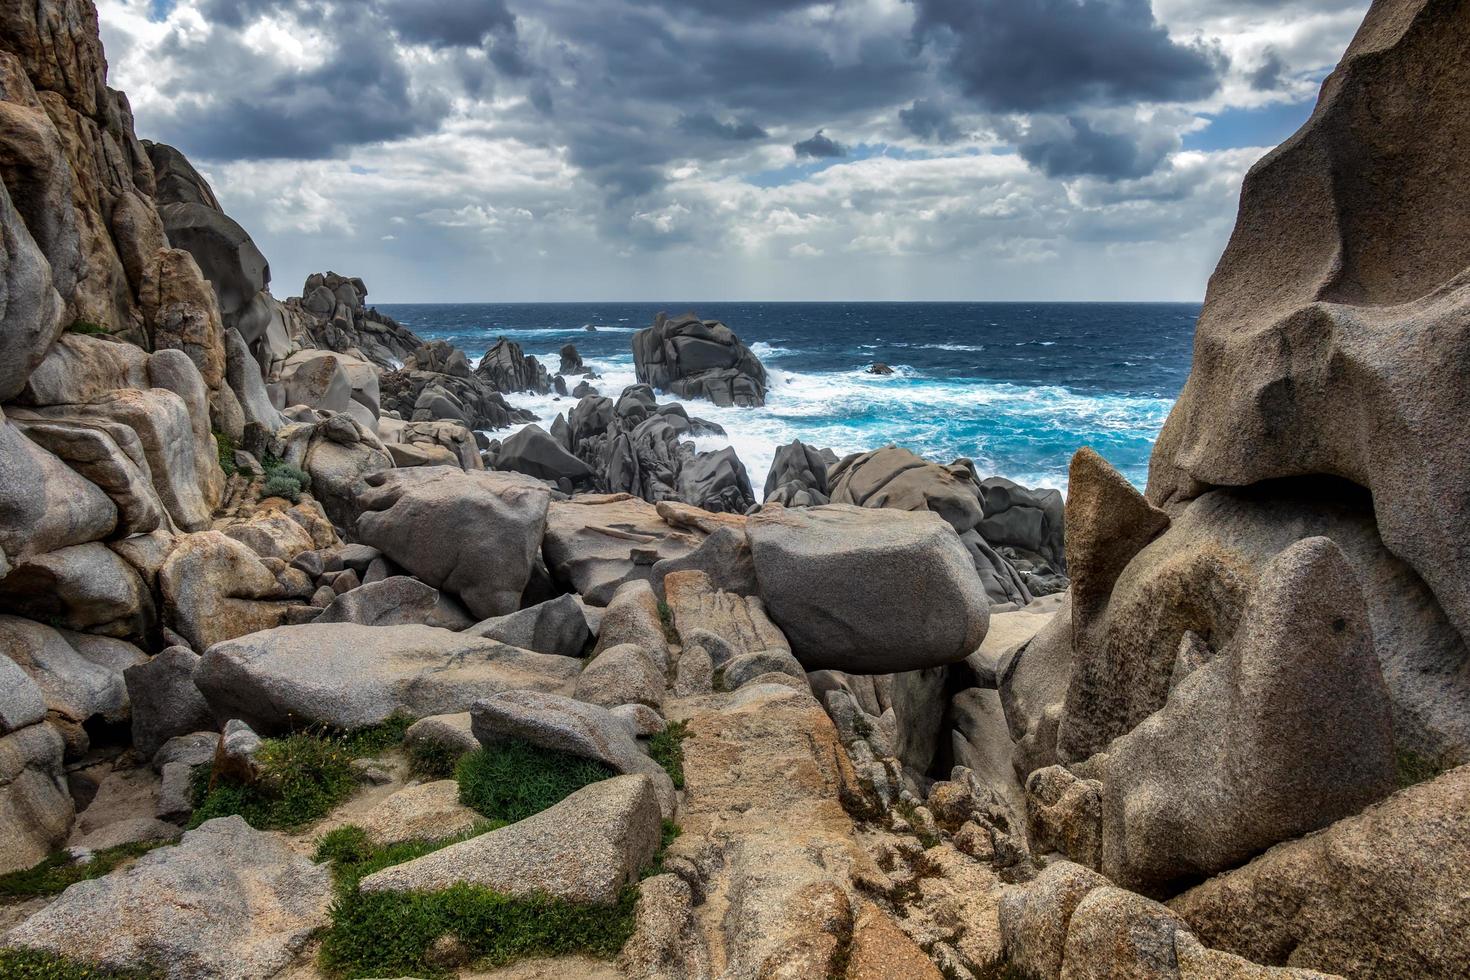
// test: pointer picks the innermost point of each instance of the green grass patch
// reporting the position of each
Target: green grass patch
(353, 857)
(57, 872)
(25, 964)
(667, 749)
(227, 449)
(514, 780)
(671, 833)
(89, 328)
(303, 777)
(389, 934)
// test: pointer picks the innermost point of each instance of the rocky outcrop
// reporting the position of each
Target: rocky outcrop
(420, 518)
(227, 901)
(436, 383)
(595, 543)
(635, 445)
(896, 479)
(1332, 343)
(330, 314)
(695, 358)
(798, 476)
(1280, 733)
(868, 591)
(347, 676)
(1379, 894)
(507, 369)
(584, 849)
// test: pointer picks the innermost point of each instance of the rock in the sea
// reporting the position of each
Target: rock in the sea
(868, 591)
(1378, 894)
(1284, 731)
(798, 475)
(348, 676)
(556, 626)
(696, 358)
(475, 535)
(507, 369)
(535, 453)
(717, 482)
(584, 849)
(551, 721)
(227, 901)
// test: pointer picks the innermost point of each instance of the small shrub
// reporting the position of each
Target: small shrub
(666, 619)
(53, 875)
(284, 480)
(429, 758)
(512, 781)
(303, 777)
(89, 328)
(26, 964)
(388, 934)
(671, 833)
(227, 449)
(667, 749)
(283, 487)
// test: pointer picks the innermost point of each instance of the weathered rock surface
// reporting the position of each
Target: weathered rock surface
(428, 811)
(740, 621)
(1333, 343)
(1379, 894)
(624, 674)
(798, 476)
(215, 588)
(1284, 731)
(507, 369)
(475, 535)
(535, 453)
(633, 617)
(396, 601)
(595, 543)
(868, 591)
(584, 849)
(36, 810)
(348, 676)
(556, 626)
(163, 700)
(227, 901)
(696, 358)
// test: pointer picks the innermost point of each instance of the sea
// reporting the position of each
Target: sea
(1016, 387)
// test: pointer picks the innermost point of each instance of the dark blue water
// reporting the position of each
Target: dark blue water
(1015, 386)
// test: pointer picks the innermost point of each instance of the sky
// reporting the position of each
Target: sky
(566, 150)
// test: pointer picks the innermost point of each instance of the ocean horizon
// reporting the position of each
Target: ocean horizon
(1016, 387)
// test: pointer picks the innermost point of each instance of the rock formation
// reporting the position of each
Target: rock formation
(696, 358)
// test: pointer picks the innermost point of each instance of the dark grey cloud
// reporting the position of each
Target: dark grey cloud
(1072, 146)
(820, 145)
(929, 121)
(705, 124)
(448, 23)
(1268, 75)
(1059, 55)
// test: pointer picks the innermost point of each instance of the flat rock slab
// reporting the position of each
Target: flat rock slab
(349, 676)
(598, 542)
(226, 902)
(429, 811)
(583, 849)
(550, 721)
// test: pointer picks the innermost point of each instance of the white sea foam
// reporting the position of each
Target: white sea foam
(1025, 433)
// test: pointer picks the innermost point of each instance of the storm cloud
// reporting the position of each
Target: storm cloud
(689, 138)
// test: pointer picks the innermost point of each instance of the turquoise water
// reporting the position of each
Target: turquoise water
(1017, 387)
